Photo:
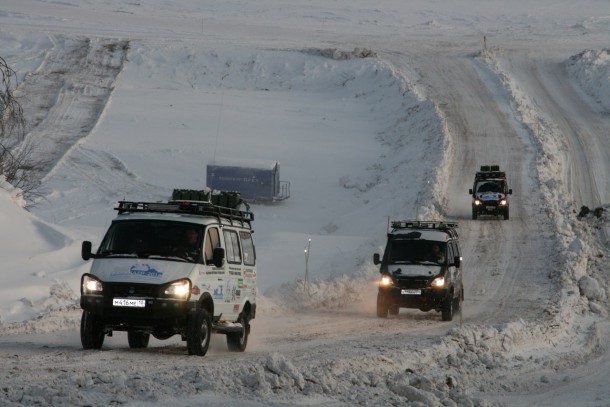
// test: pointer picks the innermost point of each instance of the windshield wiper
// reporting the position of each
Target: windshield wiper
(117, 254)
(168, 257)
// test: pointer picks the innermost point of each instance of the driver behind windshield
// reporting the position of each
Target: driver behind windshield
(436, 254)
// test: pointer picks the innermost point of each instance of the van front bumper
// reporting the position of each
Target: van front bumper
(422, 298)
(156, 314)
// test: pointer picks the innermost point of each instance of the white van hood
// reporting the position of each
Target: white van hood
(145, 271)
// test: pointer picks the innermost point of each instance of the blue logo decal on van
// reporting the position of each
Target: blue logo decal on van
(218, 292)
(144, 270)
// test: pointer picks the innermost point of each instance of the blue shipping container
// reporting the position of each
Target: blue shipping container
(262, 184)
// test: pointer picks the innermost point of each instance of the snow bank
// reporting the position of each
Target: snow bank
(590, 70)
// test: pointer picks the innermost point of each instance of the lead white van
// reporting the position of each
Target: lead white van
(183, 268)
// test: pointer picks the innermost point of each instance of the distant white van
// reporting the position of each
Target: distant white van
(185, 267)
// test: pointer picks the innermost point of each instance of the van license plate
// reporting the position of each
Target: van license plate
(410, 292)
(126, 302)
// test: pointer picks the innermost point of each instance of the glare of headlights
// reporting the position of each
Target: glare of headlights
(477, 202)
(385, 281)
(91, 285)
(180, 289)
(503, 202)
(438, 282)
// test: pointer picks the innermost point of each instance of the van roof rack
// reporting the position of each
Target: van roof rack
(198, 208)
(489, 172)
(447, 227)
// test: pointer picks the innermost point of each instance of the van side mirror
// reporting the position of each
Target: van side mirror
(470, 191)
(510, 191)
(457, 260)
(85, 251)
(218, 257)
(376, 260)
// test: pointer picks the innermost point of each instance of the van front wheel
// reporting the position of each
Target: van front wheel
(198, 331)
(382, 306)
(91, 331)
(447, 309)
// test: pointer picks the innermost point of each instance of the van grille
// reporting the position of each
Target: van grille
(131, 290)
(410, 282)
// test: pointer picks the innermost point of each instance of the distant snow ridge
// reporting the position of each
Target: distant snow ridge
(591, 70)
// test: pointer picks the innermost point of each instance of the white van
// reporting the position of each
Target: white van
(178, 268)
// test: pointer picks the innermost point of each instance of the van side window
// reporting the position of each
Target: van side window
(451, 248)
(233, 252)
(248, 245)
(456, 249)
(212, 241)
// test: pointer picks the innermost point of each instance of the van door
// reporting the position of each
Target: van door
(214, 278)
(248, 289)
(453, 270)
(234, 282)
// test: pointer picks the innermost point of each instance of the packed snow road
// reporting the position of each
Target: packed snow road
(506, 262)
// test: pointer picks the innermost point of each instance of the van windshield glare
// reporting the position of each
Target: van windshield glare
(176, 241)
(415, 251)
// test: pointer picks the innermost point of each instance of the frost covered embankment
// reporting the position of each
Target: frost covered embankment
(591, 71)
(65, 96)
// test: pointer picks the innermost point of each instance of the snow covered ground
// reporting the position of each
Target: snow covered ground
(373, 111)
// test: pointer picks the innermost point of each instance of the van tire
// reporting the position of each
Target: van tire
(237, 341)
(198, 332)
(137, 340)
(91, 331)
(382, 306)
(394, 309)
(447, 309)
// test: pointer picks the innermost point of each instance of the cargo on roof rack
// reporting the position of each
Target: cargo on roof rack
(423, 224)
(448, 227)
(489, 172)
(227, 199)
(199, 208)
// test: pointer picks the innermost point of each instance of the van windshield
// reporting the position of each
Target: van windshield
(416, 251)
(490, 186)
(177, 241)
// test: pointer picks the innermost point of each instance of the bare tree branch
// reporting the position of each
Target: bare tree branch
(12, 122)
(15, 163)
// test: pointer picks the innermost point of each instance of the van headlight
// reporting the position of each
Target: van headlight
(179, 289)
(385, 281)
(91, 285)
(477, 202)
(438, 282)
(502, 202)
